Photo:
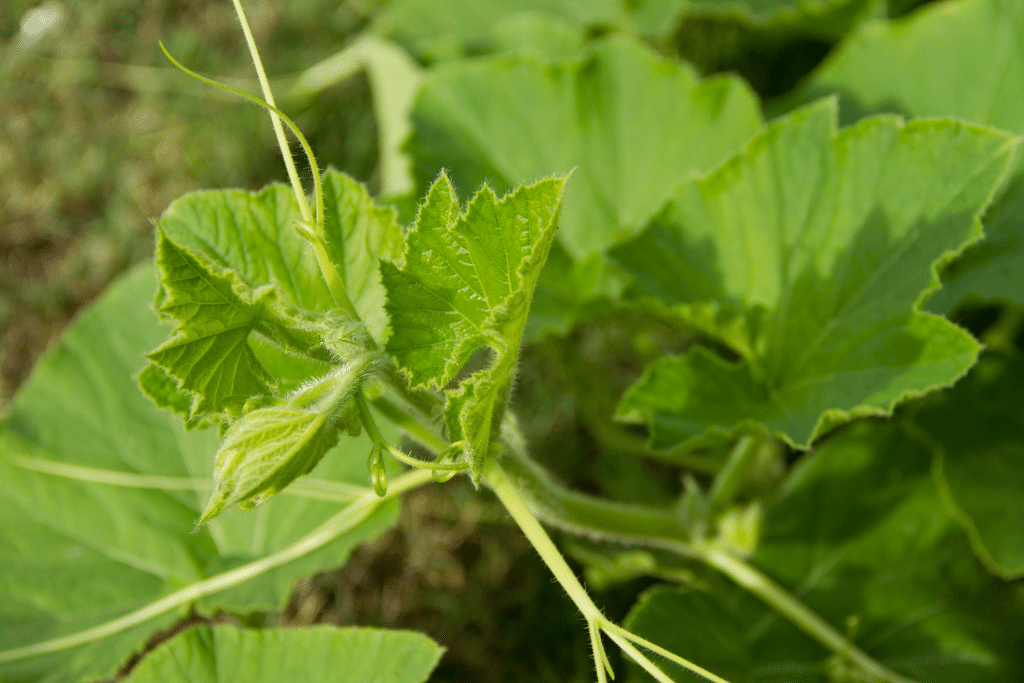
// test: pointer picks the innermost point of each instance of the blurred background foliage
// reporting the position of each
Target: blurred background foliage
(100, 134)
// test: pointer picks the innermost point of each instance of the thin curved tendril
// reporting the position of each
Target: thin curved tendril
(314, 167)
(374, 433)
(334, 283)
(423, 464)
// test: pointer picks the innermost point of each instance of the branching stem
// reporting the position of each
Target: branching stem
(508, 494)
(374, 433)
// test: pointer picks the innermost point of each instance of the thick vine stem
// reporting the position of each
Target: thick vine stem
(589, 516)
(508, 494)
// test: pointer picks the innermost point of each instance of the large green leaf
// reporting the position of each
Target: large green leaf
(75, 552)
(322, 654)
(978, 428)
(959, 59)
(809, 254)
(476, 26)
(466, 283)
(859, 535)
(633, 125)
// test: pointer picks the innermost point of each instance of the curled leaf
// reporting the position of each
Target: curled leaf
(270, 447)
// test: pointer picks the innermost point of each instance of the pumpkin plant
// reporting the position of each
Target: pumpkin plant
(834, 512)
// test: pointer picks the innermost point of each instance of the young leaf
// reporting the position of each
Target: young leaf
(209, 354)
(466, 282)
(358, 233)
(958, 59)
(633, 124)
(268, 448)
(254, 235)
(318, 654)
(75, 553)
(978, 430)
(233, 263)
(816, 249)
(166, 393)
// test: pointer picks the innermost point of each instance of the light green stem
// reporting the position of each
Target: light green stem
(646, 526)
(750, 578)
(334, 527)
(306, 487)
(282, 141)
(509, 496)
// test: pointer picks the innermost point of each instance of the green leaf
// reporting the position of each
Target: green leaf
(859, 534)
(961, 60)
(209, 354)
(166, 392)
(465, 283)
(476, 26)
(232, 264)
(75, 553)
(268, 448)
(358, 234)
(827, 18)
(253, 236)
(813, 250)
(225, 654)
(978, 430)
(633, 124)
(697, 625)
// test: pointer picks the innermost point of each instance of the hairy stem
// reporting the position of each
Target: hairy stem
(508, 494)
(282, 141)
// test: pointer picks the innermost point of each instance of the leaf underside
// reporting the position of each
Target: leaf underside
(269, 447)
(809, 254)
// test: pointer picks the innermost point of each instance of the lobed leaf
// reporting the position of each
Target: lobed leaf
(75, 552)
(976, 75)
(225, 654)
(232, 263)
(465, 283)
(809, 253)
(632, 123)
(209, 354)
